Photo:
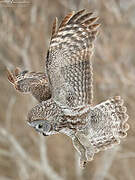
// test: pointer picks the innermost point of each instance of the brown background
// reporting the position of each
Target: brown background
(25, 31)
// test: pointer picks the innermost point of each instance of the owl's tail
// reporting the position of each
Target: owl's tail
(108, 123)
(120, 111)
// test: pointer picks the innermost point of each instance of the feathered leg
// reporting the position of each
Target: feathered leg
(81, 150)
(89, 149)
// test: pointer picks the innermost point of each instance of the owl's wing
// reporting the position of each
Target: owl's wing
(68, 60)
(31, 82)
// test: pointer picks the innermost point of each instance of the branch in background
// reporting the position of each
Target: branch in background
(6, 62)
(7, 36)
(110, 177)
(114, 9)
(126, 168)
(4, 178)
(9, 111)
(105, 163)
(23, 170)
(33, 14)
(44, 161)
(19, 151)
(79, 171)
(5, 153)
(126, 155)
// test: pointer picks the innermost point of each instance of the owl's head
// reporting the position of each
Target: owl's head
(45, 117)
(42, 126)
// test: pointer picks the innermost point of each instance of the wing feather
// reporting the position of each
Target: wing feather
(90, 21)
(68, 61)
(94, 26)
(83, 18)
(66, 19)
(35, 83)
(76, 16)
(54, 28)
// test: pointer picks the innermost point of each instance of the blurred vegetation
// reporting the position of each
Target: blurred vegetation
(25, 30)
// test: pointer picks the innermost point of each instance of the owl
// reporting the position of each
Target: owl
(65, 91)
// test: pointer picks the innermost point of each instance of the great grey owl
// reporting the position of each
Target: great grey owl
(65, 91)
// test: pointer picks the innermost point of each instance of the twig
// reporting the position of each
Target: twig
(127, 170)
(77, 167)
(6, 62)
(105, 164)
(9, 111)
(18, 149)
(44, 161)
(5, 178)
(33, 14)
(23, 170)
(127, 155)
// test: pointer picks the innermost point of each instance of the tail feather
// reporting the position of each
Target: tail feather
(109, 123)
(122, 115)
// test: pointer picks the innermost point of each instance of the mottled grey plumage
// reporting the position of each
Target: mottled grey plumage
(65, 91)
(68, 63)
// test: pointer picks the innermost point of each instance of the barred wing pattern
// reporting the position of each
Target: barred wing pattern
(36, 83)
(68, 61)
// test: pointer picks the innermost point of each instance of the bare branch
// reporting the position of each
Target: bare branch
(105, 164)
(44, 161)
(33, 14)
(126, 155)
(77, 167)
(6, 61)
(9, 111)
(43, 166)
(5, 178)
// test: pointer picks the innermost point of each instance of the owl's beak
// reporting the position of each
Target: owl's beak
(45, 134)
(29, 123)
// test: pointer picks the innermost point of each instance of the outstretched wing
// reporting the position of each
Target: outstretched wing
(36, 83)
(68, 60)
(108, 123)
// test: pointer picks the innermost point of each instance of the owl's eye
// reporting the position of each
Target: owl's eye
(39, 126)
(45, 134)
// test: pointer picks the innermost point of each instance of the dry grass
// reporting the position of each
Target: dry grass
(24, 39)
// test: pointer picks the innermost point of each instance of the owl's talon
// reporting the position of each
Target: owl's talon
(82, 163)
